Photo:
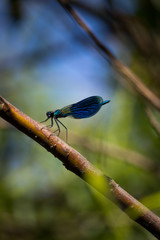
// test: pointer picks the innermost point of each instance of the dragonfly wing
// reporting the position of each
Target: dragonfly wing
(66, 111)
(86, 108)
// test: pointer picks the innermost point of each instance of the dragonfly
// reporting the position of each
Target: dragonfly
(83, 109)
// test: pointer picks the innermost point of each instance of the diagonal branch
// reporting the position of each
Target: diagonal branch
(153, 121)
(126, 73)
(79, 165)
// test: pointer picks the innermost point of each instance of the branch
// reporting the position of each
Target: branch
(153, 121)
(126, 73)
(79, 165)
(108, 149)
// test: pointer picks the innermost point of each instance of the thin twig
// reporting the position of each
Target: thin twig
(153, 121)
(114, 151)
(118, 66)
(79, 165)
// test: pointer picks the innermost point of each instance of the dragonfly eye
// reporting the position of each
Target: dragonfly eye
(49, 114)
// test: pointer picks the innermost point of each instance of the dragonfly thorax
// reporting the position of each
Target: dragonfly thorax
(58, 114)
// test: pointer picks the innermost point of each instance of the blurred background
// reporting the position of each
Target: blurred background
(48, 62)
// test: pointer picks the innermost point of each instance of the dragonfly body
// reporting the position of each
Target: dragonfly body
(83, 109)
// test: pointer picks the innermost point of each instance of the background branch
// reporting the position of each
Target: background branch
(126, 73)
(114, 151)
(153, 121)
(76, 163)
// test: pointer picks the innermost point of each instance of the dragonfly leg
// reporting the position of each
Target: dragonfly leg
(58, 127)
(66, 130)
(55, 130)
(49, 126)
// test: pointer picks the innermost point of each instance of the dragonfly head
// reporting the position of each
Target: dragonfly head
(50, 114)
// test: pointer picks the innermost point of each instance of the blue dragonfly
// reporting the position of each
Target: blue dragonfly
(84, 109)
